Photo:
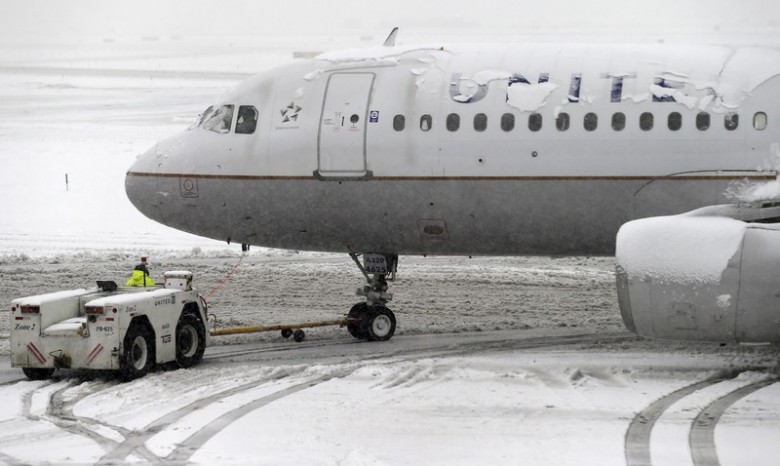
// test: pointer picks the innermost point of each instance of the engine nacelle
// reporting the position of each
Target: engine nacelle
(700, 278)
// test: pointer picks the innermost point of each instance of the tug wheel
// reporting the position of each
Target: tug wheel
(287, 333)
(299, 335)
(190, 340)
(137, 358)
(34, 373)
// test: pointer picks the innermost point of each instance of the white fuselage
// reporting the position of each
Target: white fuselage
(480, 149)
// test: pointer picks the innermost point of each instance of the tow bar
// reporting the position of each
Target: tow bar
(294, 330)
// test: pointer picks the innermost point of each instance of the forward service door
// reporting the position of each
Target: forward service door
(341, 150)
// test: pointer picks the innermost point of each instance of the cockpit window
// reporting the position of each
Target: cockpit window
(219, 119)
(205, 115)
(247, 119)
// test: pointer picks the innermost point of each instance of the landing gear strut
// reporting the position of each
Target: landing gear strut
(372, 320)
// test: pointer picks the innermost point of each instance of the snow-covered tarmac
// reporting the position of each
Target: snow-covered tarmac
(535, 370)
(496, 360)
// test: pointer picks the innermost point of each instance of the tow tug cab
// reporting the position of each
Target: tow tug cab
(108, 327)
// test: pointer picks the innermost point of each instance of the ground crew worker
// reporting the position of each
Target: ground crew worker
(141, 275)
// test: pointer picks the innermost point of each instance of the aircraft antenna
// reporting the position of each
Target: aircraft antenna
(390, 41)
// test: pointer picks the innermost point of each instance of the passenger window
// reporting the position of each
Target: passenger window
(703, 121)
(220, 120)
(646, 121)
(675, 121)
(591, 121)
(453, 122)
(731, 121)
(562, 121)
(399, 122)
(247, 119)
(534, 122)
(426, 122)
(480, 122)
(760, 121)
(507, 122)
(618, 121)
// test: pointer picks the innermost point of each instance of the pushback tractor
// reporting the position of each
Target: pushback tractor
(112, 328)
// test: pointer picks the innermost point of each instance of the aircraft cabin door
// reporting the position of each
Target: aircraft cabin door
(341, 148)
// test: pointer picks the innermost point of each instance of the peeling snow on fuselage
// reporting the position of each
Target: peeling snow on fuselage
(385, 55)
(709, 78)
(529, 97)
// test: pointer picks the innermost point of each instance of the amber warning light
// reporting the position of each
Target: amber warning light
(94, 310)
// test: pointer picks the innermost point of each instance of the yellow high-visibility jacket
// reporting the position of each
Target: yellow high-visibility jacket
(139, 278)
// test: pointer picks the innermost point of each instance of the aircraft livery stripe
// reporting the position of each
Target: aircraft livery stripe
(743, 176)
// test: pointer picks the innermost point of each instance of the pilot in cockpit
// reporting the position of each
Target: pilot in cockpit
(247, 120)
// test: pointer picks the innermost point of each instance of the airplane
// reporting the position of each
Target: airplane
(656, 153)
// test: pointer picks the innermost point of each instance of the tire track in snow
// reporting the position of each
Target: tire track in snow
(135, 442)
(434, 348)
(702, 435)
(61, 414)
(190, 446)
(12, 382)
(186, 449)
(637, 442)
(27, 413)
(11, 461)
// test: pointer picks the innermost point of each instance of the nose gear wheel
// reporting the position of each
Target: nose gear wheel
(372, 320)
(372, 323)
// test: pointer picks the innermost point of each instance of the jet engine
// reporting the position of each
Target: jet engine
(709, 275)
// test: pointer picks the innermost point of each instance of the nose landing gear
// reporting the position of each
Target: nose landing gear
(372, 320)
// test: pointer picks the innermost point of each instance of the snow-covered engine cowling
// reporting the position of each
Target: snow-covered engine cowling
(700, 278)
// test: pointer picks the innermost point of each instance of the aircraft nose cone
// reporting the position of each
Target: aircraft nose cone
(141, 185)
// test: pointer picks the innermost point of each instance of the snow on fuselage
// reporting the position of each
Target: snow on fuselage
(480, 149)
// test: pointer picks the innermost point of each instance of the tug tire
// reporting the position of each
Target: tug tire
(190, 340)
(34, 373)
(138, 355)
